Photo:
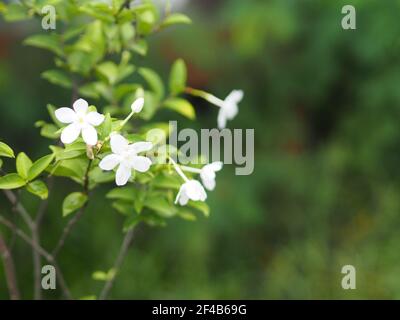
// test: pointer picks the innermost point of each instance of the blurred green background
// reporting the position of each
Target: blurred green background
(325, 105)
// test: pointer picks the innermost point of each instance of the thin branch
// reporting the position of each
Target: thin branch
(19, 208)
(42, 252)
(71, 223)
(37, 289)
(9, 269)
(118, 263)
(36, 238)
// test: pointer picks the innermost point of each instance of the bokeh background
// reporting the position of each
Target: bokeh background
(325, 106)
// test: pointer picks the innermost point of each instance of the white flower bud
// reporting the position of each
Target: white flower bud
(137, 105)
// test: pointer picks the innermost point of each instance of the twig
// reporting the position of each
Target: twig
(71, 223)
(118, 263)
(36, 238)
(37, 292)
(42, 252)
(76, 218)
(9, 269)
(19, 208)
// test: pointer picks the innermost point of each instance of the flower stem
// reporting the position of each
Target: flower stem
(190, 169)
(178, 169)
(206, 96)
(124, 122)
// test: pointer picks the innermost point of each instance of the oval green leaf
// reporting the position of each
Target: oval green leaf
(73, 202)
(39, 166)
(11, 181)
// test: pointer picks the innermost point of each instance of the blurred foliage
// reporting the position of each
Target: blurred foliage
(325, 192)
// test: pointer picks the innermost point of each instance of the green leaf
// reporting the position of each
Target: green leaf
(106, 126)
(186, 214)
(146, 20)
(123, 207)
(167, 181)
(58, 77)
(73, 202)
(23, 164)
(160, 205)
(72, 168)
(11, 181)
(131, 222)
(6, 151)
(89, 49)
(181, 106)
(38, 188)
(140, 47)
(39, 166)
(51, 110)
(97, 175)
(201, 206)
(103, 276)
(91, 297)
(108, 71)
(15, 12)
(99, 11)
(176, 18)
(49, 131)
(69, 154)
(124, 193)
(153, 80)
(151, 103)
(46, 41)
(178, 76)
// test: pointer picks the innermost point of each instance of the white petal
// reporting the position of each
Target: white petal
(141, 164)
(65, 115)
(80, 106)
(94, 118)
(195, 191)
(235, 96)
(118, 143)
(137, 105)
(140, 147)
(89, 135)
(109, 162)
(221, 119)
(183, 199)
(123, 174)
(215, 166)
(208, 183)
(70, 133)
(231, 110)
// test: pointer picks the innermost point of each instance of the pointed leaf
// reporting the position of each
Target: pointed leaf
(23, 164)
(73, 202)
(39, 166)
(6, 151)
(11, 181)
(177, 78)
(38, 188)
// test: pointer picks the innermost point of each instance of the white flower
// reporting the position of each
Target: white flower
(191, 190)
(137, 105)
(125, 155)
(207, 174)
(79, 120)
(229, 107)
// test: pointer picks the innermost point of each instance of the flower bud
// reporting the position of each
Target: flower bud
(137, 105)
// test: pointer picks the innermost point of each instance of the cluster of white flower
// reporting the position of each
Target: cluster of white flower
(81, 120)
(192, 189)
(124, 155)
